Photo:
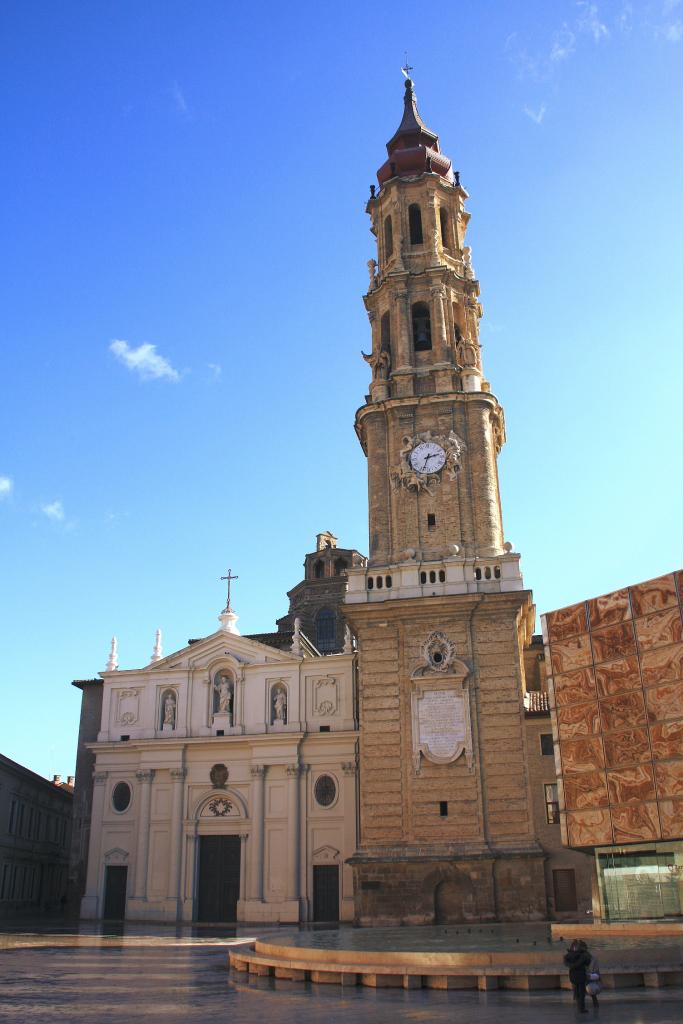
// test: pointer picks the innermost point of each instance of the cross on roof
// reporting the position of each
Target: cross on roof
(229, 578)
(406, 69)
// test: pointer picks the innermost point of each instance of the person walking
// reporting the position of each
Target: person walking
(577, 959)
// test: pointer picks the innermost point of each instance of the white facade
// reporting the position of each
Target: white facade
(277, 722)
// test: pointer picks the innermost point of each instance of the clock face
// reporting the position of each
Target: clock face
(427, 457)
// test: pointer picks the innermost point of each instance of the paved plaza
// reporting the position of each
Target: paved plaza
(150, 975)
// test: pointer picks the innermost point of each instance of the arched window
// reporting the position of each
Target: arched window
(388, 237)
(415, 223)
(340, 566)
(422, 329)
(385, 332)
(325, 630)
(445, 228)
(319, 569)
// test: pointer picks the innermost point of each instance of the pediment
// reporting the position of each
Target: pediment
(204, 652)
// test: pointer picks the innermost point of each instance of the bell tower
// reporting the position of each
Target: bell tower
(440, 612)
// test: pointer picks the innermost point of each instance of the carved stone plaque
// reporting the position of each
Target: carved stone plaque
(441, 723)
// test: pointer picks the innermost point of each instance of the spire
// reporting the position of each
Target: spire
(156, 653)
(113, 661)
(411, 122)
(413, 148)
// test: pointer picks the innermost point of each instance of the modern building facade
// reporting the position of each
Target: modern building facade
(35, 834)
(615, 666)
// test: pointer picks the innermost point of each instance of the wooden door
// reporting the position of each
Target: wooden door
(218, 889)
(325, 892)
(115, 881)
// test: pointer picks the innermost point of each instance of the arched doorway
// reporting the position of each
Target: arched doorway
(219, 851)
(455, 900)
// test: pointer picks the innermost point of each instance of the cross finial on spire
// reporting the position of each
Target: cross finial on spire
(406, 69)
(229, 578)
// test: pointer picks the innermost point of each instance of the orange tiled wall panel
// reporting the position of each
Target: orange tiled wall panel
(615, 666)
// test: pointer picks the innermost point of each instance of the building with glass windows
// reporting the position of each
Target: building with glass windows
(615, 666)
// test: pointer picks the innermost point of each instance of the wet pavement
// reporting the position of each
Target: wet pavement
(52, 974)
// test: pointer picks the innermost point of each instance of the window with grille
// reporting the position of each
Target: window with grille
(326, 630)
(552, 805)
(325, 790)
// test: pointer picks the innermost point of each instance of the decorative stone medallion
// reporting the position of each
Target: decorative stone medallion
(220, 807)
(438, 651)
(219, 776)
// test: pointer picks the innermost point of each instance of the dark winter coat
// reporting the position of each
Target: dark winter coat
(577, 961)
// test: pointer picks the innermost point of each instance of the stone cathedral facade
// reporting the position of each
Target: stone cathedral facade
(380, 757)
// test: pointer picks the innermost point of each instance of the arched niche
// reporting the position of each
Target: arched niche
(168, 709)
(278, 702)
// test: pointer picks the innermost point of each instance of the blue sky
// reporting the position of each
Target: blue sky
(192, 177)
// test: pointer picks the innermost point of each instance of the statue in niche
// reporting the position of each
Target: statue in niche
(467, 353)
(169, 710)
(223, 695)
(279, 707)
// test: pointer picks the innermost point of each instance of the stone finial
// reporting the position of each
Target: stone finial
(296, 639)
(113, 661)
(156, 653)
(372, 271)
(348, 641)
(228, 621)
(508, 546)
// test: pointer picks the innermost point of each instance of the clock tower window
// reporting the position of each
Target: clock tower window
(388, 237)
(385, 333)
(422, 328)
(415, 224)
(445, 228)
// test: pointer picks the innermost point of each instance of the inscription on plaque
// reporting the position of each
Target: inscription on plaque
(441, 725)
(442, 722)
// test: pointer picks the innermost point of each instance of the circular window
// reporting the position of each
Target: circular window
(120, 796)
(325, 790)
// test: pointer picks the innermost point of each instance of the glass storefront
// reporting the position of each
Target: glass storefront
(640, 883)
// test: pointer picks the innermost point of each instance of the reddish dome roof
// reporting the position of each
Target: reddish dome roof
(413, 149)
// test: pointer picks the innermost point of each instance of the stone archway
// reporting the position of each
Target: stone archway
(455, 900)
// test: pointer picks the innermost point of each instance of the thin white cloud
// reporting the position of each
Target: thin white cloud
(143, 360)
(179, 100)
(536, 115)
(590, 22)
(625, 18)
(524, 64)
(216, 371)
(674, 32)
(564, 44)
(55, 510)
(6, 487)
